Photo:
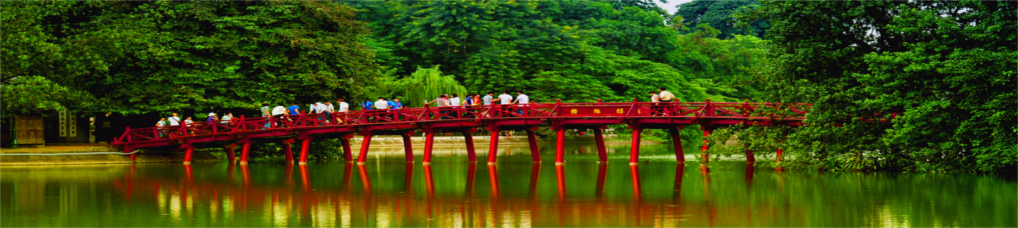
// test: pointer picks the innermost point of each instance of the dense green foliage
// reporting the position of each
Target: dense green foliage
(940, 73)
(140, 57)
(721, 15)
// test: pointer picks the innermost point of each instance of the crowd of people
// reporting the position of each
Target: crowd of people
(327, 108)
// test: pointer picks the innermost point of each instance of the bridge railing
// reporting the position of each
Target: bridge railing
(705, 110)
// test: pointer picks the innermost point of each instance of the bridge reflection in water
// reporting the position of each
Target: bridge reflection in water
(518, 193)
(292, 202)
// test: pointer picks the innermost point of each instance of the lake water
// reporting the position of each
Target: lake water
(515, 193)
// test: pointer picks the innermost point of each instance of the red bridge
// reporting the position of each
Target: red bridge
(466, 119)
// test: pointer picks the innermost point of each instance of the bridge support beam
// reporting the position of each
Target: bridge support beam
(471, 153)
(750, 158)
(535, 154)
(704, 154)
(634, 151)
(602, 153)
(429, 143)
(680, 155)
(305, 145)
(408, 148)
(493, 147)
(244, 150)
(187, 156)
(363, 156)
(128, 149)
(777, 158)
(229, 152)
(560, 146)
(288, 150)
(347, 152)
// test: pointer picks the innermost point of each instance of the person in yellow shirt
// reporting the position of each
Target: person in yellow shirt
(666, 98)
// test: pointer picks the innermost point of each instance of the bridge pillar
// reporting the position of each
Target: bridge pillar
(229, 152)
(347, 152)
(305, 144)
(777, 158)
(703, 150)
(493, 146)
(429, 143)
(288, 150)
(535, 154)
(244, 150)
(408, 147)
(128, 149)
(363, 156)
(602, 153)
(680, 155)
(634, 151)
(471, 153)
(187, 156)
(750, 158)
(560, 141)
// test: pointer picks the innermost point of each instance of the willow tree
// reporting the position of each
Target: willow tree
(426, 84)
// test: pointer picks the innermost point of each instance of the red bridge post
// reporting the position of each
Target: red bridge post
(493, 146)
(187, 156)
(602, 153)
(304, 147)
(535, 154)
(347, 152)
(408, 146)
(363, 156)
(703, 150)
(468, 136)
(288, 150)
(560, 141)
(429, 143)
(634, 152)
(680, 156)
(244, 150)
(229, 152)
(750, 158)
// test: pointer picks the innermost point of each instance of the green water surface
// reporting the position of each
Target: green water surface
(515, 192)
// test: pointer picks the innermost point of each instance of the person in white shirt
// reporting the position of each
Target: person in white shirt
(381, 104)
(278, 112)
(521, 99)
(455, 100)
(655, 108)
(174, 120)
(343, 106)
(505, 100)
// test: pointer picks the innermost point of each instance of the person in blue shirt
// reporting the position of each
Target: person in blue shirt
(294, 109)
(392, 104)
(397, 104)
(367, 105)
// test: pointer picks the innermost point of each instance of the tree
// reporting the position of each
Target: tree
(940, 73)
(721, 15)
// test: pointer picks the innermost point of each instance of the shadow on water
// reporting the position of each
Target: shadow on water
(387, 191)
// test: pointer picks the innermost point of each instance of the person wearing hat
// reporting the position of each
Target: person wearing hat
(212, 118)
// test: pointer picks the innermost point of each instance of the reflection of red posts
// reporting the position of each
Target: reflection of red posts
(560, 177)
(493, 177)
(535, 172)
(749, 175)
(635, 175)
(471, 172)
(245, 176)
(408, 177)
(305, 178)
(363, 156)
(363, 171)
(347, 172)
(705, 174)
(288, 176)
(429, 182)
(680, 171)
(703, 151)
(188, 175)
(602, 174)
